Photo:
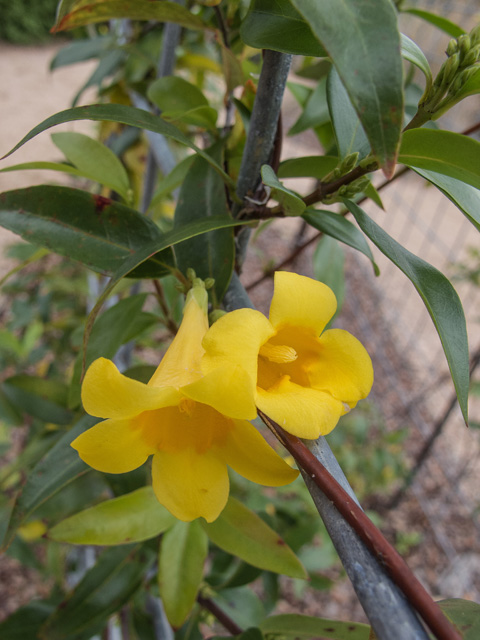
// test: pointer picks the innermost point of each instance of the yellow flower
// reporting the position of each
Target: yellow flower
(194, 425)
(302, 381)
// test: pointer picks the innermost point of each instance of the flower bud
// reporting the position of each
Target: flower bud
(349, 162)
(209, 282)
(472, 56)
(191, 275)
(451, 66)
(452, 47)
(463, 45)
(475, 35)
(461, 79)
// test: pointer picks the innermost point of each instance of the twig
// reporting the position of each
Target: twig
(220, 615)
(169, 321)
(368, 533)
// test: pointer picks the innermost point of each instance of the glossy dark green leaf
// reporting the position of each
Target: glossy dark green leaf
(96, 161)
(445, 152)
(465, 197)
(244, 534)
(82, 12)
(25, 622)
(291, 202)
(340, 228)
(328, 264)
(438, 21)
(104, 589)
(183, 552)
(38, 397)
(96, 231)
(117, 325)
(349, 133)
(440, 298)
(133, 517)
(81, 50)
(125, 115)
(307, 167)
(363, 42)
(202, 196)
(60, 466)
(280, 27)
(465, 614)
(294, 625)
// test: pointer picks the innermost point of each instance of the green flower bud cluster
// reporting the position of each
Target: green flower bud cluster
(346, 165)
(348, 190)
(463, 61)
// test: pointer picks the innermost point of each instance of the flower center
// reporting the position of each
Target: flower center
(279, 353)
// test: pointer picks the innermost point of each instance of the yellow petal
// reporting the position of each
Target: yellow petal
(181, 363)
(236, 339)
(301, 302)
(190, 485)
(252, 457)
(106, 393)
(343, 368)
(227, 389)
(113, 446)
(301, 411)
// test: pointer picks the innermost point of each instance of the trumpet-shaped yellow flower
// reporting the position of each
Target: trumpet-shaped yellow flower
(193, 424)
(302, 381)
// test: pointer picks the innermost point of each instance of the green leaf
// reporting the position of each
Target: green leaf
(315, 112)
(47, 166)
(94, 230)
(183, 552)
(413, 53)
(83, 12)
(81, 50)
(104, 589)
(292, 203)
(40, 398)
(117, 325)
(96, 161)
(438, 21)
(465, 614)
(329, 267)
(348, 130)
(445, 152)
(125, 115)
(242, 605)
(280, 27)
(171, 181)
(340, 228)
(307, 167)
(60, 466)
(244, 534)
(293, 625)
(363, 43)
(133, 517)
(173, 93)
(465, 197)
(202, 196)
(26, 621)
(440, 298)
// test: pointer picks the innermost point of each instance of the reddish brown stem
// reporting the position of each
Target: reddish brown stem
(368, 533)
(220, 615)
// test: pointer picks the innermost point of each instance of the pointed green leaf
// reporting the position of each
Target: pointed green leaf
(294, 625)
(340, 228)
(60, 466)
(307, 167)
(348, 131)
(445, 152)
(363, 43)
(280, 27)
(183, 552)
(173, 93)
(82, 12)
(26, 621)
(133, 517)
(328, 264)
(96, 161)
(202, 196)
(413, 53)
(241, 532)
(465, 614)
(440, 298)
(96, 231)
(81, 50)
(242, 605)
(465, 197)
(43, 399)
(292, 203)
(125, 115)
(315, 112)
(104, 589)
(171, 181)
(438, 21)
(47, 166)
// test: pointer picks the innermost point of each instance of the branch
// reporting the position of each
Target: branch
(220, 615)
(327, 492)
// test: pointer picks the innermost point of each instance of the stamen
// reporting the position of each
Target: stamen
(186, 406)
(280, 353)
